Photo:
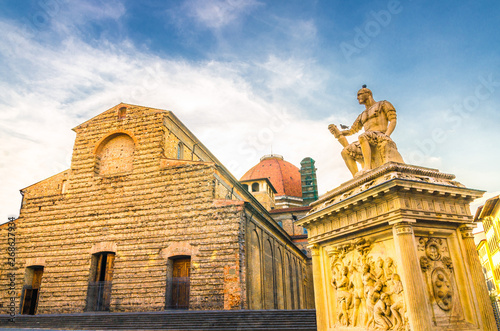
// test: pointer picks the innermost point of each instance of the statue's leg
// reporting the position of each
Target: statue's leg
(350, 162)
(362, 162)
(367, 153)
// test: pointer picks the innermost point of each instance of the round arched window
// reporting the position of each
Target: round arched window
(115, 155)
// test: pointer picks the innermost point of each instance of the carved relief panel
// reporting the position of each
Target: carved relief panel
(438, 271)
(367, 289)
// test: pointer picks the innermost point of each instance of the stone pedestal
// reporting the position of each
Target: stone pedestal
(392, 249)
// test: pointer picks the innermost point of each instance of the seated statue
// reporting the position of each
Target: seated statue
(375, 146)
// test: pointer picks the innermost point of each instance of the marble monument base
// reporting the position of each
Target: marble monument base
(394, 250)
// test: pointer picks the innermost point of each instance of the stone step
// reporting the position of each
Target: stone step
(171, 320)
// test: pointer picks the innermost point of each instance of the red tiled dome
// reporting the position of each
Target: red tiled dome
(284, 176)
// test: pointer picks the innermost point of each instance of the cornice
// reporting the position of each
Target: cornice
(382, 170)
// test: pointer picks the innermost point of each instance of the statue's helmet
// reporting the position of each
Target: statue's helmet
(364, 90)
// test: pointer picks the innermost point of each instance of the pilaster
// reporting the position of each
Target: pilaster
(417, 301)
(477, 277)
(319, 298)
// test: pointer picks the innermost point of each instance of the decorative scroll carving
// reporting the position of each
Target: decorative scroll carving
(368, 289)
(437, 267)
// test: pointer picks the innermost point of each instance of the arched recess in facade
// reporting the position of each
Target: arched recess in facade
(303, 286)
(255, 272)
(114, 154)
(288, 283)
(293, 283)
(280, 294)
(276, 278)
(269, 288)
(297, 282)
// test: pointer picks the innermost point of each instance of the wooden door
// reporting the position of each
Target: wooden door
(108, 277)
(99, 291)
(37, 278)
(37, 282)
(98, 269)
(180, 283)
(28, 298)
(32, 292)
(110, 263)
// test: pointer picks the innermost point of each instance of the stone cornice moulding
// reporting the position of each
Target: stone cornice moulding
(379, 191)
(399, 175)
(378, 172)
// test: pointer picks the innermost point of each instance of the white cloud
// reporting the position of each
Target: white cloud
(302, 31)
(49, 20)
(51, 89)
(215, 14)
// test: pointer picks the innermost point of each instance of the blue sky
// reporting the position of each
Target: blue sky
(249, 77)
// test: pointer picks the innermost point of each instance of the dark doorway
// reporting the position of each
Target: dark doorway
(99, 290)
(31, 291)
(179, 284)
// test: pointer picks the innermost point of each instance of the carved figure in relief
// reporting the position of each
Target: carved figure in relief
(371, 299)
(379, 270)
(375, 147)
(389, 268)
(344, 296)
(368, 279)
(398, 307)
(368, 290)
(382, 313)
(358, 292)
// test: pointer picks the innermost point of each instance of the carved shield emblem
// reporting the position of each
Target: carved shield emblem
(443, 291)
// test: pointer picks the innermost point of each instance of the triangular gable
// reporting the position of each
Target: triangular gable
(172, 123)
(114, 110)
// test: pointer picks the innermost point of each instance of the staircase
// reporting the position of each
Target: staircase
(170, 320)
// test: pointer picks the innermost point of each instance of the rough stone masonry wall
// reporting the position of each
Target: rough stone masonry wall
(6, 282)
(141, 213)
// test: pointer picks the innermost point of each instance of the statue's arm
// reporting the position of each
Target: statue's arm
(391, 127)
(334, 283)
(355, 127)
(390, 112)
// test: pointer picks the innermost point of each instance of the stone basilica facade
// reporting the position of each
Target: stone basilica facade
(148, 219)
